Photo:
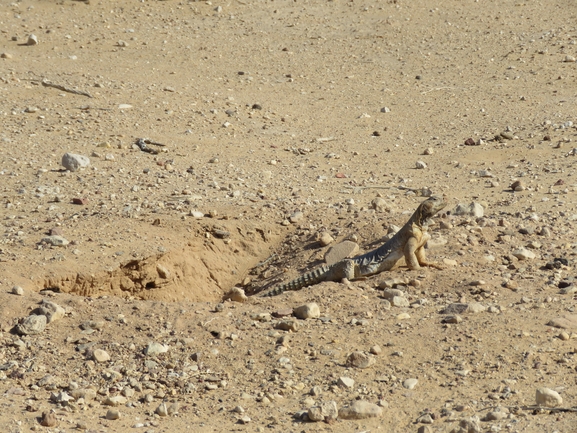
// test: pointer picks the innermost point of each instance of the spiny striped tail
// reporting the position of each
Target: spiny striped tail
(310, 278)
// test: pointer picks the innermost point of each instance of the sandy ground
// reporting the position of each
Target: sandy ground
(267, 110)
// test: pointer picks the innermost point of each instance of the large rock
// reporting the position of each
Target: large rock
(341, 251)
(33, 324)
(547, 397)
(73, 162)
(307, 311)
(360, 360)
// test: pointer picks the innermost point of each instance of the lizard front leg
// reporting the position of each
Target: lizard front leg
(410, 250)
(422, 259)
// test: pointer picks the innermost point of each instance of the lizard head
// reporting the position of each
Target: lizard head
(428, 209)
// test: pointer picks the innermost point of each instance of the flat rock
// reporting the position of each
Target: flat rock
(346, 382)
(307, 311)
(116, 400)
(547, 397)
(341, 251)
(569, 321)
(112, 414)
(459, 308)
(360, 409)
(324, 412)
(410, 383)
(33, 324)
(474, 209)
(74, 162)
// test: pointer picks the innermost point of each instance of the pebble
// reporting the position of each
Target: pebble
(6, 55)
(410, 383)
(113, 414)
(17, 290)
(524, 254)
(385, 110)
(155, 348)
(73, 162)
(360, 409)
(346, 382)
(548, 398)
(376, 349)
(420, 165)
(196, 214)
(341, 251)
(498, 414)
(32, 40)
(326, 239)
(162, 409)
(33, 324)
(307, 311)
(100, 355)
(124, 106)
(48, 419)
(117, 400)
(360, 360)
(569, 59)
(325, 412)
(55, 241)
(474, 209)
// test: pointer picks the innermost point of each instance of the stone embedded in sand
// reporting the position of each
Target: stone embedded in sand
(155, 348)
(296, 217)
(341, 251)
(17, 290)
(116, 400)
(360, 360)
(162, 271)
(307, 311)
(162, 410)
(73, 162)
(360, 409)
(31, 325)
(325, 412)
(548, 398)
(326, 239)
(380, 205)
(346, 382)
(112, 414)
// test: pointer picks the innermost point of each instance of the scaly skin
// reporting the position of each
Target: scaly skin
(409, 242)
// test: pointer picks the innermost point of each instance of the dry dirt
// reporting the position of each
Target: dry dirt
(267, 108)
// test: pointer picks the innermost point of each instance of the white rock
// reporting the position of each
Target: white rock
(237, 294)
(360, 409)
(17, 290)
(346, 382)
(100, 355)
(420, 165)
(73, 162)
(410, 383)
(155, 349)
(51, 310)
(325, 412)
(547, 397)
(32, 40)
(55, 240)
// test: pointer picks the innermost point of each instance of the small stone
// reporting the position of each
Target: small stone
(32, 325)
(100, 355)
(163, 271)
(162, 410)
(376, 349)
(548, 398)
(17, 290)
(341, 251)
(470, 142)
(56, 241)
(155, 349)
(112, 414)
(360, 360)
(507, 135)
(569, 59)
(346, 382)
(454, 319)
(474, 209)
(6, 55)
(124, 106)
(325, 412)
(80, 200)
(73, 162)
(296, 217)
(196, 214)
(524, 254)
(121, 44)
(410, 383)
(385, 110)
(426, 418)
(496, 415)
(32, 40)
(569, 321)
(236, 294)
(244, 419)
(420, 165)
(48, 419)
(518, 186)
(307, 311)
(380, 205)
(360, 409)
(326, 239)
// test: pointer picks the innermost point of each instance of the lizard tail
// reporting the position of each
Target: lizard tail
(310, 278)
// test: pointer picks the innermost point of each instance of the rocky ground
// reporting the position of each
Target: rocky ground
(231, 145)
